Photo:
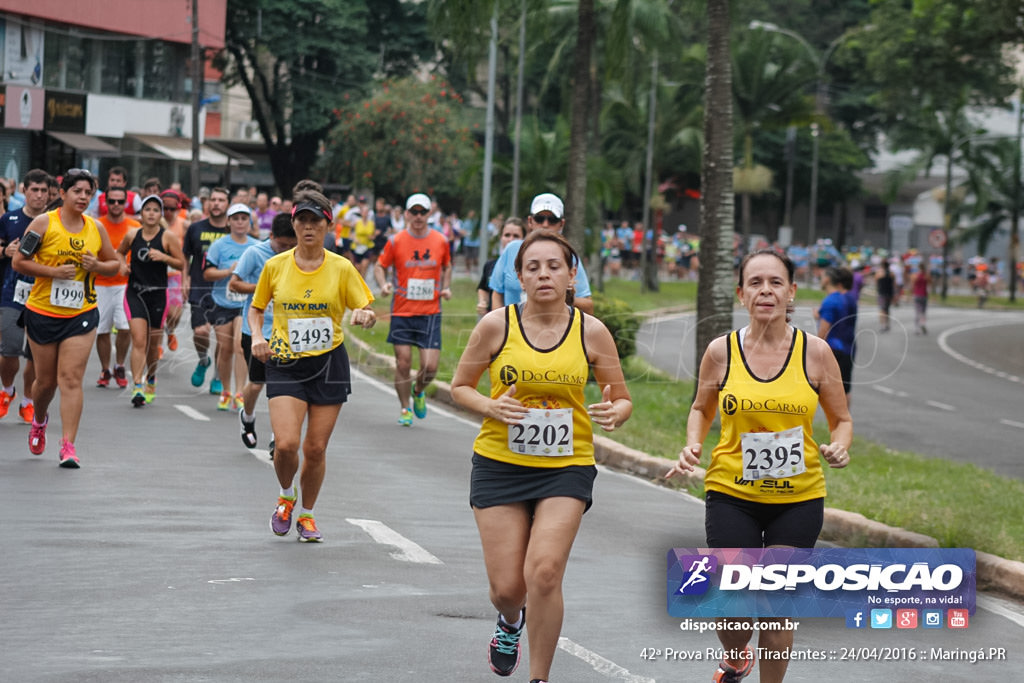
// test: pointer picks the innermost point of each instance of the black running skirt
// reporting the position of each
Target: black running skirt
(500, 483)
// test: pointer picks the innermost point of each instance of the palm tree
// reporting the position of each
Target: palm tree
(576, 182)
(714, 290)
(991, 195)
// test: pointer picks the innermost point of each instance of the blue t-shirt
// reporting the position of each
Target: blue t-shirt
(223, 254)
(840, 311)
(248, 269)
(505, 281)
(12, 227)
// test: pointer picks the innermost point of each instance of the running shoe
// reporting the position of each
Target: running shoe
(199, 374)
(27, 412)
(150, 391)
(138, 399)
(5, 401)
(120, 377)
(729, 674)
(270, 448)
(37, 437)
(281, 520)
(248, 430)
(239, 401)
(405, 419)
(68, 458)
(503, 653)
(215, 386)
(419, 404)
(104, 381)
(225, 401)
(306, 528)
(172, 342)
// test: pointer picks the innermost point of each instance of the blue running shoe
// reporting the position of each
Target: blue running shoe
(199, 374)
(419, 404)
(216, 387)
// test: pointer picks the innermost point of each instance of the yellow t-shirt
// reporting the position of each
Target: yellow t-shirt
(308, 306)
(65, 298)
(362, 235)
(546, 380)
(750, 407)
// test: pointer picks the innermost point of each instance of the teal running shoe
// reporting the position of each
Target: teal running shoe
(419, 404)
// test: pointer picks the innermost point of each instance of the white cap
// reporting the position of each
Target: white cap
(547, 202)
(418, 199)
(239, 208)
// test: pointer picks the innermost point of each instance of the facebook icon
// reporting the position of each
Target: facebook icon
(856, 619)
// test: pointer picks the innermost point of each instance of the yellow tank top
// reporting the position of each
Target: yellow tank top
(550, 382)
(755, 458)
(65, 298)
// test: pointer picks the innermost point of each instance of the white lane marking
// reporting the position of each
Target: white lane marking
(943, 342)
(262, 455)
(1003, 608)
(1013, 423)
(941, 406)
(599, 663)
(890, 391)
(407, 551)
(192, 412)
(388, 389)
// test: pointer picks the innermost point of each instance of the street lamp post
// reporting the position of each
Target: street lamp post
(820, 94)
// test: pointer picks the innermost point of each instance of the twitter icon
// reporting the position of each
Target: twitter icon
(881, 618)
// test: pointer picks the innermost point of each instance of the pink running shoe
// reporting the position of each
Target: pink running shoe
(67, 456)
(37, 436)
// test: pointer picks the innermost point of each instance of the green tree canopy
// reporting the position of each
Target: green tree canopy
(409, 136)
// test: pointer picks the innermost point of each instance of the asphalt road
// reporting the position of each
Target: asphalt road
(154, 562)
(957, 392)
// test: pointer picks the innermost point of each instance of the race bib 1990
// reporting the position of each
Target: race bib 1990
(773, 455)
(542, 432)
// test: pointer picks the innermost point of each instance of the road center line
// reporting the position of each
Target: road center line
(941, 406)
(1013, 423)
(192, 412)
(943, 342)
(599, 663)
(407, 551)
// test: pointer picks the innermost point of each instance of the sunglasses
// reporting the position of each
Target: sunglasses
(419, 212)
(79, 171)
(115, 201)
(549, 219)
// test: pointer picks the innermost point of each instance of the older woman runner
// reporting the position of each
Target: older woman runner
(753, 500)
(533, 461)
(63, 250)
(307, 369)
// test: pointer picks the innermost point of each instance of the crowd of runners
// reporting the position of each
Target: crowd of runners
(269, 282)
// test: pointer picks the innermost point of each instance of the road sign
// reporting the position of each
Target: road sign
(937, 238)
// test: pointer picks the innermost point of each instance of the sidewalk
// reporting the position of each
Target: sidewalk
(849, 529)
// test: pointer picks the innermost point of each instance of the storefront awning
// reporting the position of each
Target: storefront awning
(87, 144)
(180, 149)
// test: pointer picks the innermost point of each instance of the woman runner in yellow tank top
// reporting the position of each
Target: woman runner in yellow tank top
(60, 314)
(765, 486)
(533, 462)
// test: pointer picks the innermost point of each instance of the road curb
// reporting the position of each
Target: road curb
(850, 529)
